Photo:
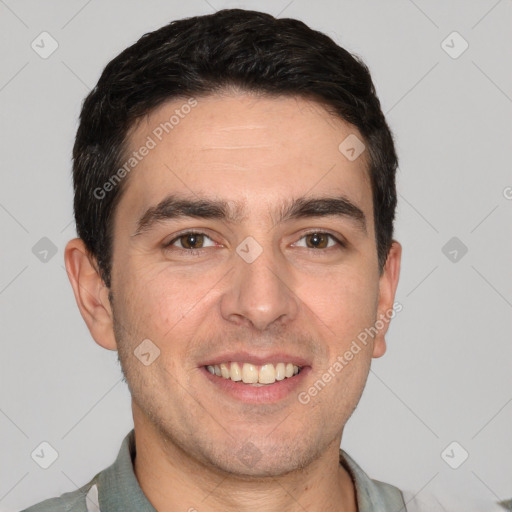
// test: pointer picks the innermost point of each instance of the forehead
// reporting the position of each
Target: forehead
(253, 150)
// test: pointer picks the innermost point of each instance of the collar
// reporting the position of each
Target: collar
(371, 494)
(119, 489)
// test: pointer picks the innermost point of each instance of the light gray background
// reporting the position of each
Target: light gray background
(447, 373)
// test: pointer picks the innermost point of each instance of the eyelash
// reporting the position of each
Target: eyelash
(199, 251)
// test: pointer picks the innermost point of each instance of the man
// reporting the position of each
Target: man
(234, 184)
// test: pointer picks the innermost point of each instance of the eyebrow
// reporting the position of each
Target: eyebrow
(176, 207)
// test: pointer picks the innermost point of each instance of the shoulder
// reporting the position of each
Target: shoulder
(75, 501)
(388, 491)
(427, 502)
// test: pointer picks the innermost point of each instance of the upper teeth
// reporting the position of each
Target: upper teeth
(252, 374)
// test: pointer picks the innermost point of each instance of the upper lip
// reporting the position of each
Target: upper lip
(256, 359)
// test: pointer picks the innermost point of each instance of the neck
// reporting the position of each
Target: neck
(172, 480)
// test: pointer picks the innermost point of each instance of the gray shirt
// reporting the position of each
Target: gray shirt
(116, 489)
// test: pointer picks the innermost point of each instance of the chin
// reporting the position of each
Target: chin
(253, 460)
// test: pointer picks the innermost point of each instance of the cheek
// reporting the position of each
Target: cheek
(140, 298)
(161, 301)
(345, 301)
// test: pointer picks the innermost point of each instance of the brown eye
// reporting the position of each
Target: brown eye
(317, 240)
(191, 240)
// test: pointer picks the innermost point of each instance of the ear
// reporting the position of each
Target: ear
(388, 283)
(91, 294)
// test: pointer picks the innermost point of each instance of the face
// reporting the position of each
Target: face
(245, 235)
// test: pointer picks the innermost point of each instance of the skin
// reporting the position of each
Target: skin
(312, 302)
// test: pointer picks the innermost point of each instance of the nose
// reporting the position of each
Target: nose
(260, 293)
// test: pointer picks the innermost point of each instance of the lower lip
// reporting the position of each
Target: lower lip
(267, 393)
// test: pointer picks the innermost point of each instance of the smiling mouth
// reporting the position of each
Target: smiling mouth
(247, 373)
